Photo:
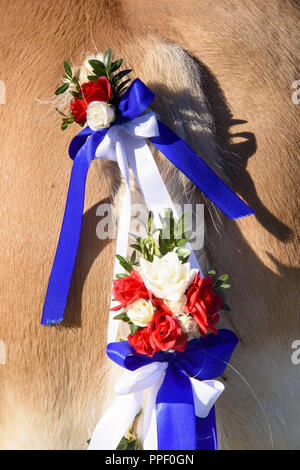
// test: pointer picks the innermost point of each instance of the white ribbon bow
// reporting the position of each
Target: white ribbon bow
(129, 388)
(125, 144)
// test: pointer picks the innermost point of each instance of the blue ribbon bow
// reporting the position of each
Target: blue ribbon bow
(82, 150)
(178, 428)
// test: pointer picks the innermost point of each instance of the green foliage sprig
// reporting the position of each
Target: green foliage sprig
(70, 78)
(219, 285)
(171, 236)
(107, 68)
(123, 317)
(127, 264)
(130, 440)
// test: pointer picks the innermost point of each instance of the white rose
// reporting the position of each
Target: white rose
(166, 277)
(177, 307)
(100, 114)
(189, 326)
(140, 312)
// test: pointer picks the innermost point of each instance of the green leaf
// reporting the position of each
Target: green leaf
(76, 94)
(124, 89)
(96, 63)
(226, 308)
(98, 67)
(181, 242)
(120, 275)
(118, 77)
(183, 254)
(130, 442)
(211, 273)
(157, 251)
(68, 120)
(64, 126)
(224, 277)
(122, 316)
(127, 444)
(62, 88)
(116, 65)
(179, 227)
(133, 328)
(68, 69)
(93, 78)
(150, 220)
(99, 73)
(123, 444)
(163, 246)
(133, 444)
(124, 263)
(122, 85)
(217, 285)
(107, 58)
(76, 83)
(172, 226)
(133, 257)
(136, 247)
(225, 286)
(60, 112)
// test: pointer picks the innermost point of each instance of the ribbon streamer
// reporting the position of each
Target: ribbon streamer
(182, 390)
(129, 152)
(131, 136)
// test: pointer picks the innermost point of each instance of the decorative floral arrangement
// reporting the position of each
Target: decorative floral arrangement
(163, 297)
(96, 89)
(164, 301)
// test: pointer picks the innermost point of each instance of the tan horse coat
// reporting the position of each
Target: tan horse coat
(54, 385)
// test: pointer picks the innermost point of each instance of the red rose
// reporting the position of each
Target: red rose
(96, 91)
(165, 331)
(78, 108)
(91, 91)
(129, 289)
(162, 333)
(140, 342)
(203, 303)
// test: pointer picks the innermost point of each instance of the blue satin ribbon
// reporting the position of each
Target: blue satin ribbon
(204, 359)
(82, 150)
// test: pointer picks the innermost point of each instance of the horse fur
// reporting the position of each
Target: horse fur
(213, 70)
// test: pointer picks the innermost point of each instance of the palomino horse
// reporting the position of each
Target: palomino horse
(222, 73)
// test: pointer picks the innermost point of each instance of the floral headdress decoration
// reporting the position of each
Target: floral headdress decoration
(98, 81)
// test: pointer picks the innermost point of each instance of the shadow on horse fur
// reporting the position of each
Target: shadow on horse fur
(90, 247)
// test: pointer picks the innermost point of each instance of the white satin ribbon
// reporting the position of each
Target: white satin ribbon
(125, 144)
(129, 388)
